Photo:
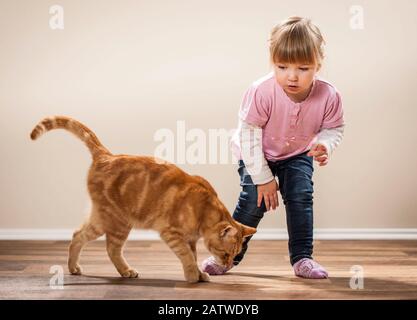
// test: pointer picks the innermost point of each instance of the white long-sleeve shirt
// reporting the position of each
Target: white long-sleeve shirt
(254, 159)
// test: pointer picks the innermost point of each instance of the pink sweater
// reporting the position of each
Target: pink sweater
(273, 127)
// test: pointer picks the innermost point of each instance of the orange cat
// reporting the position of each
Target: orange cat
(137, 191)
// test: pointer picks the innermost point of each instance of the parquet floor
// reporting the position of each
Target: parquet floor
(389, 270)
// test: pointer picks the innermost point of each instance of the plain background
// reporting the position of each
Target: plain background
(129, 68)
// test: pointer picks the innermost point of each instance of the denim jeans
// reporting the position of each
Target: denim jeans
(296, 187)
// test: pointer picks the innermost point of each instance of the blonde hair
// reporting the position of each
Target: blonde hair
(296, 40)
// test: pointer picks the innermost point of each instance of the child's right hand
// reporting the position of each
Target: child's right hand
(268, 192)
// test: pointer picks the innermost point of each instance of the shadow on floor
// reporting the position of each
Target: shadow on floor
(387, 287)
(157, 283)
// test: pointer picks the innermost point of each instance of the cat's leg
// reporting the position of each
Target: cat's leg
(184, 252)
(193, 246)
(115, 242)
(204, 276)
(86, 233)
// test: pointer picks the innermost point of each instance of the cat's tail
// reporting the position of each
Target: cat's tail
(73, 126)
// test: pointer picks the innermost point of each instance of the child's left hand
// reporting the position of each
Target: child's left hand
(320, 154)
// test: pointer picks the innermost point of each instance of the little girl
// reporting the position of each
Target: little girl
(286, 118)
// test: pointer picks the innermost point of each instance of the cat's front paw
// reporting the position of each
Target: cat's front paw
(130, 273)
(192, 276)
(75, 269)
(204, 277)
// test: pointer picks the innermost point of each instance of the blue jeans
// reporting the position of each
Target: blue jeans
(296, 187)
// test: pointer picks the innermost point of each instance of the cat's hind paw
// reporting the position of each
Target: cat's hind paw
(75, 270)
(130, 273)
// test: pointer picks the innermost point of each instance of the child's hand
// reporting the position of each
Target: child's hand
(268, 192)
(320, 154)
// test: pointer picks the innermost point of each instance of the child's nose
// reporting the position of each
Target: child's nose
(292, 76)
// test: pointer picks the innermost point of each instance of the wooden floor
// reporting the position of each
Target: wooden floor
(390, 272)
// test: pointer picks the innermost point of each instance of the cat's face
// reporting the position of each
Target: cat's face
(226, 243)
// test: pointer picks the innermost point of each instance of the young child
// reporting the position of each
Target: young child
(286, 118)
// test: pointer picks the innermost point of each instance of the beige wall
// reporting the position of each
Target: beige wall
(129, 68)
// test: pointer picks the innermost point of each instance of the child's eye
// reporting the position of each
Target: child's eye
(282, 67)
(303, 69)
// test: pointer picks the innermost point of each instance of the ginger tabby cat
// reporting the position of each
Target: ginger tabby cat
(138, 191)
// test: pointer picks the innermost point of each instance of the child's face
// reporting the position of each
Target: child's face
(296, 78)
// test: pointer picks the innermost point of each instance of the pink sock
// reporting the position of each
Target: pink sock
(308, 268)
(212, 267)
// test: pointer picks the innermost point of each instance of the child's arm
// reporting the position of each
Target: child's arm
(327, 141)
(254, 114)
(331, 132)
(257, 166)
(252, 154)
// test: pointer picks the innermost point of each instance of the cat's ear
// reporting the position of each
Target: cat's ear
(247, 231)
(228, 231)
